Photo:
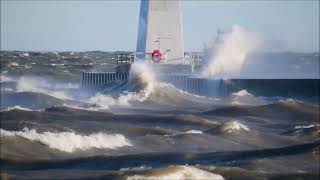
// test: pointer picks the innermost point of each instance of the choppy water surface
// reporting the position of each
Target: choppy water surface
(52, 129)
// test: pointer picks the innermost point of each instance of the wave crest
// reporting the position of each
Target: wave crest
(16, 107)
(178, 172)
(234, 126)
(243, 97)
(70, 141)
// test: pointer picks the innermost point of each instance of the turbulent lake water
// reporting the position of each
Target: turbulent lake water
(53, 129)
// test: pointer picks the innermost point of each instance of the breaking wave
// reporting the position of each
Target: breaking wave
(144, 88)
(70, 141)
(140, 86)
(162, 94)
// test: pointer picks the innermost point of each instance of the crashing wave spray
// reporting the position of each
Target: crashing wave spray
(142, 83)
(229, 52)
(142, 73)
(144, 89)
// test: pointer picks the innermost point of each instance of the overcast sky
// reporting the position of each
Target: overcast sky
(112, 25)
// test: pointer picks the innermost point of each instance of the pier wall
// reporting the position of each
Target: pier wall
(216, 87)
(99, 80)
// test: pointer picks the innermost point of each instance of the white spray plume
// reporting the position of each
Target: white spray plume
(144, 73)
(141, 73)
(230, 51)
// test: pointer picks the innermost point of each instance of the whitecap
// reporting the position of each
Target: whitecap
(290, 101)
(234, 126)
(14, 64)
(305, 127)
(16, 107)
(243, 97)
(187, 132)
(136, 168)
(7, 89)
(179, 173)
(24, 54)
(71, 141)
(241, 93)
(193, 132)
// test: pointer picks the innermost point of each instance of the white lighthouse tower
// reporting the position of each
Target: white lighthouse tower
(160, 30)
